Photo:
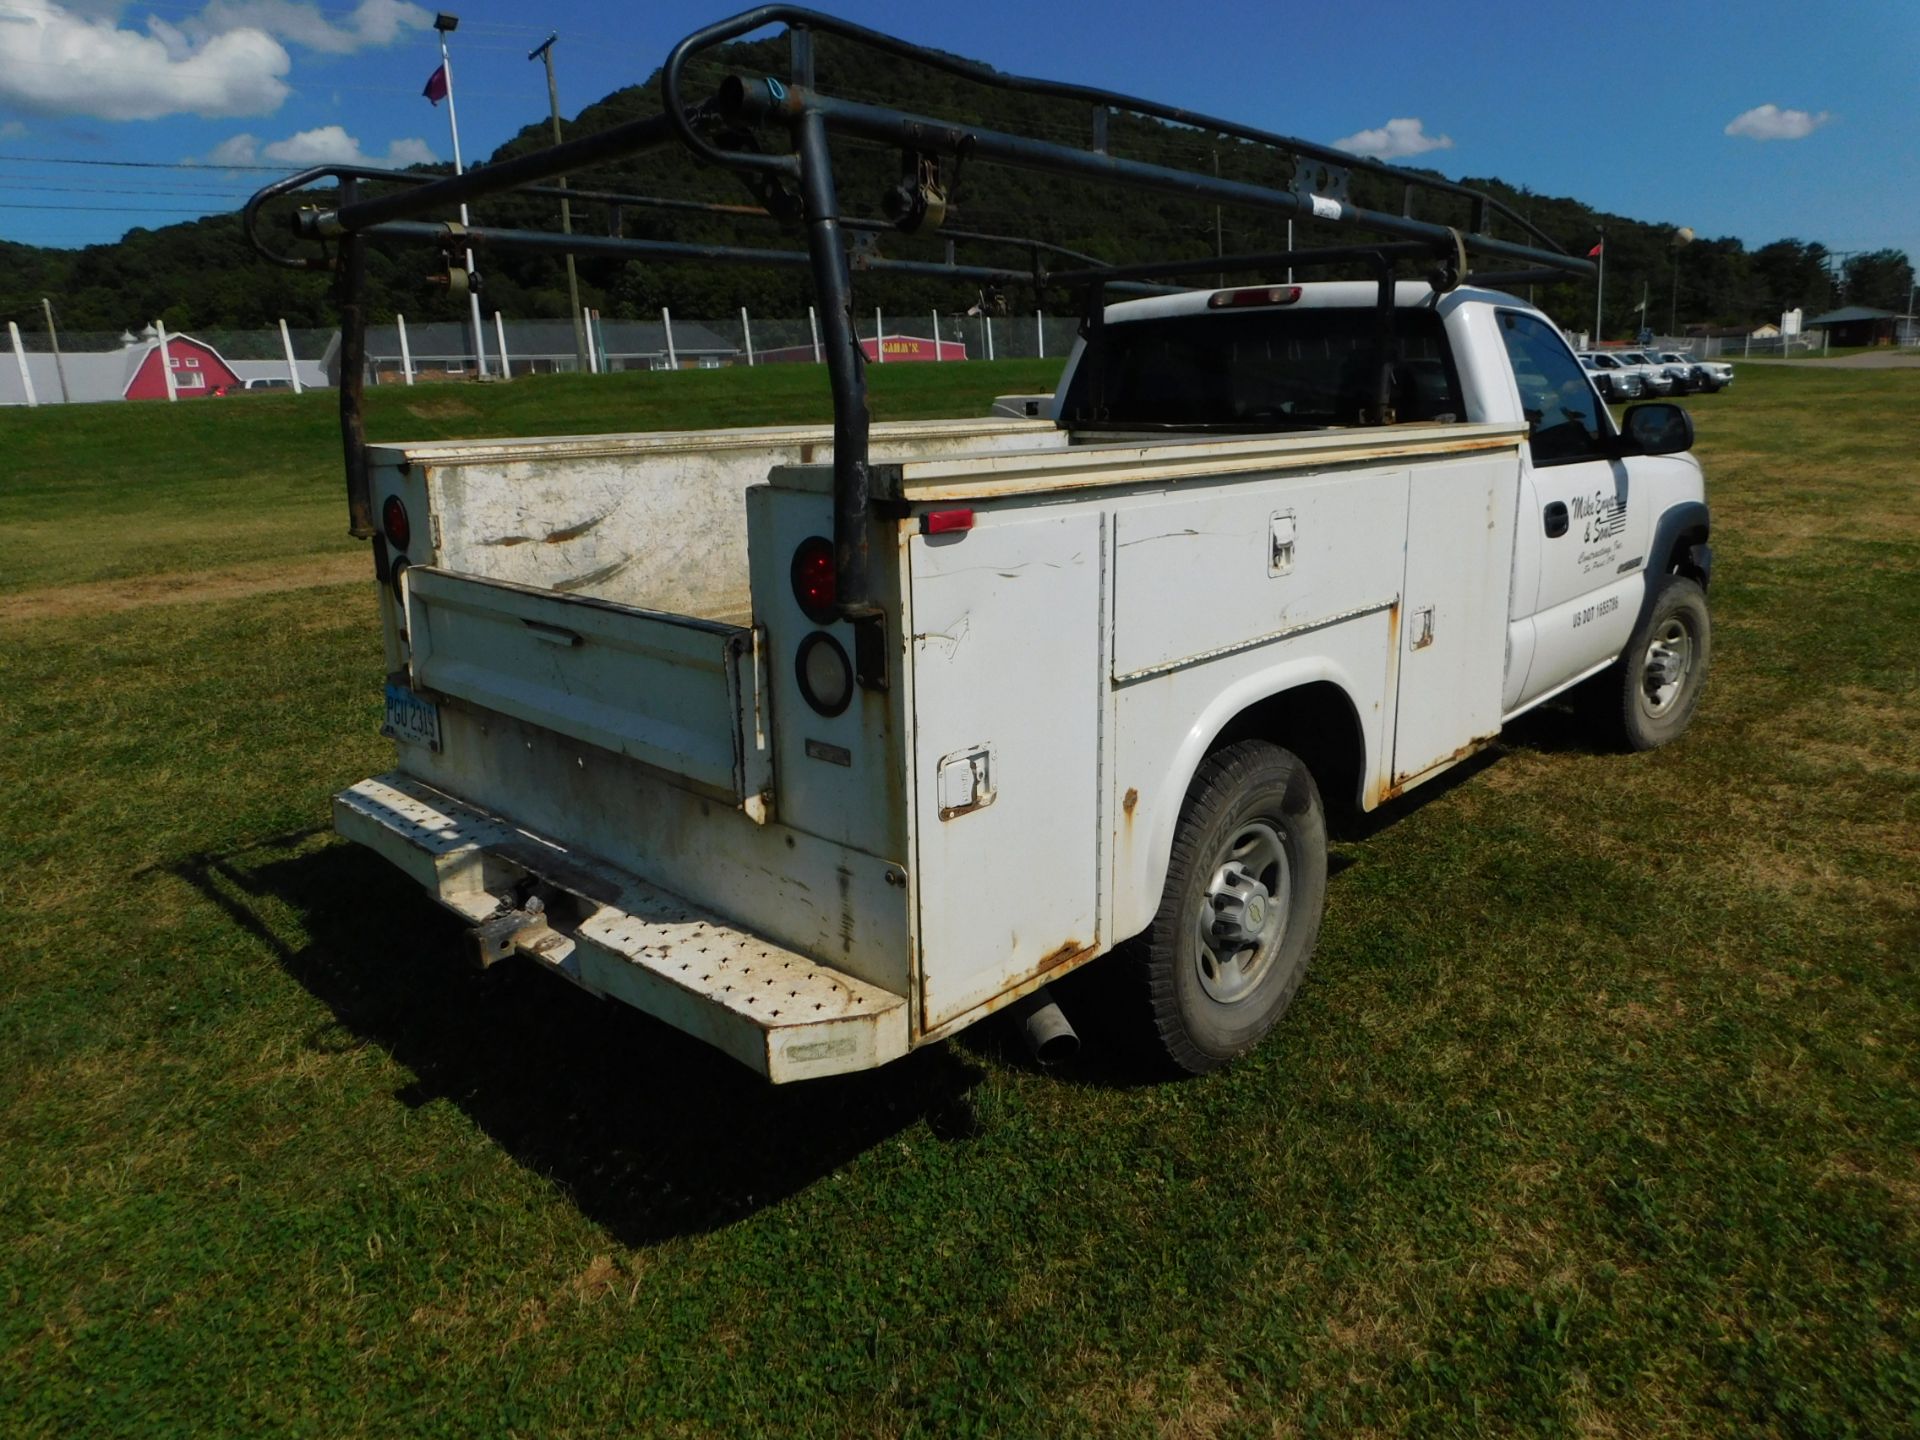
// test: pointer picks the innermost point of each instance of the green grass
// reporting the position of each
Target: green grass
(1598, 1115)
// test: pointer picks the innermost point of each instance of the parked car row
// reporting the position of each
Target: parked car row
(1630, 374)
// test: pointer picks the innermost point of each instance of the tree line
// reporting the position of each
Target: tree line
(203, 273)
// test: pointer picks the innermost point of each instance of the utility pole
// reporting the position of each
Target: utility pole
(60, 365)
(545, 52)
(446, 24)
(1528, 194)
(1219, 247)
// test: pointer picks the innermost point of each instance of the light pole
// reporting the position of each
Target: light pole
(446, 24)
(1681, 237)
(544, 51)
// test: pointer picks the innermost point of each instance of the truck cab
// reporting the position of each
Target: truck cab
(1467, 356)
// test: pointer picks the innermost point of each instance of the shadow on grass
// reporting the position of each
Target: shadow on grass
(651, 1133)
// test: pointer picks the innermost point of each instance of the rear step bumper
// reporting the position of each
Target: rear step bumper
(772, 1009)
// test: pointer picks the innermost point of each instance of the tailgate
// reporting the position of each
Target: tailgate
(683, 695)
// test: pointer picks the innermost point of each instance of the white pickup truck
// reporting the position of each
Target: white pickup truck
(1124, 656)
(824, 743)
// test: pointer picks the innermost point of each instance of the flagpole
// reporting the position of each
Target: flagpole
(1600, 286)
(445, 23)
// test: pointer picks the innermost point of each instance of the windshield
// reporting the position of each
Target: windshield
(1268, 369)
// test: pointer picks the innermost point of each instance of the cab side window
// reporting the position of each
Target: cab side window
(1562, 409)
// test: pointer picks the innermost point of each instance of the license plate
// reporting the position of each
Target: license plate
(411, 719)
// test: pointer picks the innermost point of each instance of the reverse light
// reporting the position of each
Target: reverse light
(393, 520)
(813, 579)
(824, 672)
(1258, 295)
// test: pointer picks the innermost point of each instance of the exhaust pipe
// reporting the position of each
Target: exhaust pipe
(1050, 1039)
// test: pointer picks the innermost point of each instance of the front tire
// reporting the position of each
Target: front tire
(1241, 911)
(1656, 686)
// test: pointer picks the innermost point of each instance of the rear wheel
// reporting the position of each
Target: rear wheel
(1241, 911)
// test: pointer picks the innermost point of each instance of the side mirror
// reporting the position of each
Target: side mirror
(1656, 430)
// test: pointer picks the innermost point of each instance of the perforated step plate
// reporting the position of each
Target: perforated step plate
(771, 1008)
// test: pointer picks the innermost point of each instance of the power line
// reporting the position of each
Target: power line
(111, 209)
(181, 192)
(137, 164)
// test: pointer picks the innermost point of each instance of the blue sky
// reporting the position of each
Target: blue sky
(1624, 105)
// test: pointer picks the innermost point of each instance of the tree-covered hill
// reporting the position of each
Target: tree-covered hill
(203, 274)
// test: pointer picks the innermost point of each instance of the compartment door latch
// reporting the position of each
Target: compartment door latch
(1280, 540)
(965, 782)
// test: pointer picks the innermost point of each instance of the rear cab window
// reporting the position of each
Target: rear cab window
(1260, 370)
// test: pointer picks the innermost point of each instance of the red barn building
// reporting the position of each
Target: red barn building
(197, 370)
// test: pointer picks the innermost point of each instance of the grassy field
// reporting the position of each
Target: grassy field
(1598, 1115)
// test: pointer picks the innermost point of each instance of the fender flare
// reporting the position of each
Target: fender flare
(1148, 877)
(1674, 521)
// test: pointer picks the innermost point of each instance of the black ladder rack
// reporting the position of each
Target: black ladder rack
(797, 183)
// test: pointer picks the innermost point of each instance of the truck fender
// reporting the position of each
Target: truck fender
(1688, 518)
(1141, 868)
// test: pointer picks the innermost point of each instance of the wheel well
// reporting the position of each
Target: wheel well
(1318, 723)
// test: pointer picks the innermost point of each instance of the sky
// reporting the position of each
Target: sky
(1758, 119)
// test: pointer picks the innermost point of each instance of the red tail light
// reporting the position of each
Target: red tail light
(393, 520)
(813, 579)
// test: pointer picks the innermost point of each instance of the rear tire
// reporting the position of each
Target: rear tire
(1241, 911)
(1652, 692)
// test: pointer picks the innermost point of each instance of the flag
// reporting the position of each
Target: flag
(1590, 254)
(436, 90)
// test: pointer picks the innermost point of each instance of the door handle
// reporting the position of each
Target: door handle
(1556, 517)
(552, 634)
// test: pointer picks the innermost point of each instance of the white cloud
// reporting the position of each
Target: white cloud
(1395, 140)
(326, 145)
(371, 23)
(74, 57)
(1770, 122)
(56, 61)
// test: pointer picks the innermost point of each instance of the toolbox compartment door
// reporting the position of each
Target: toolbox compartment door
(1453, 624)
